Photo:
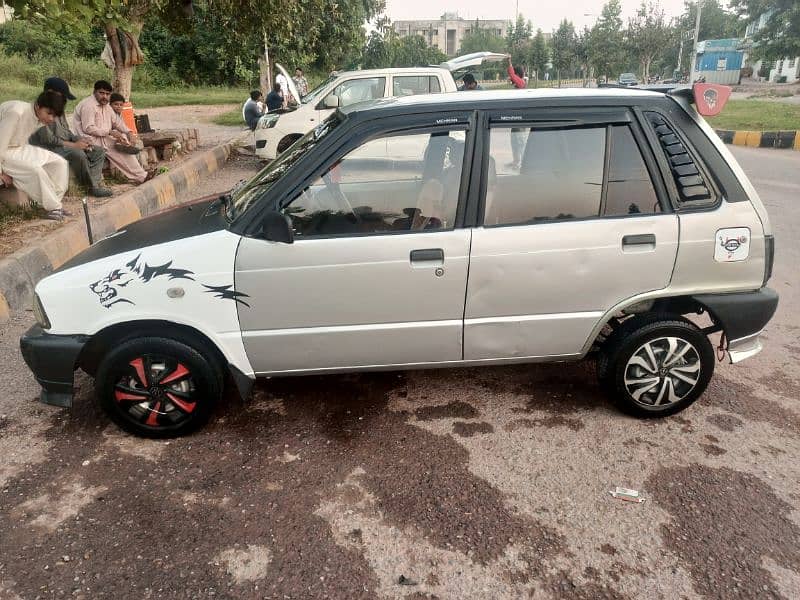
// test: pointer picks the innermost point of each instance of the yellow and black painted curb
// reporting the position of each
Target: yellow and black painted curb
(20, 271)
(761, 139)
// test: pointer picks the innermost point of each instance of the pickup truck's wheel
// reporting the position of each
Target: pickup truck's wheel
(157, 387)
(656, 366)
(288, 141)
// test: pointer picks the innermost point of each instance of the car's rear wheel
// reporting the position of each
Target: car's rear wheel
(288, 141)
(158, 387)
(656, 366)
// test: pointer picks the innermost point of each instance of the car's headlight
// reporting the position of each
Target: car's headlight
(268, 121)
(38, 312)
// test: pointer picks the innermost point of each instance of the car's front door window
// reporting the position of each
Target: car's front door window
(388, 184)
(359, 90)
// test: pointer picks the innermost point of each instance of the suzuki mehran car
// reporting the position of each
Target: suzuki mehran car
(278, 130)
(403, 234)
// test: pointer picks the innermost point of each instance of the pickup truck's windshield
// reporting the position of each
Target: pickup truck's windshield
(245, 196)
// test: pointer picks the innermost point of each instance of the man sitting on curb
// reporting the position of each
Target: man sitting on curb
(85, 160)
(42, 175)
(94, 118)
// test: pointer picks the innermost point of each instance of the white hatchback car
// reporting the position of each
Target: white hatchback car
(278, 130)
(447, 230)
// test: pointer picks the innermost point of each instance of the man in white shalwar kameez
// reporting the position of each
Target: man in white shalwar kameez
(41, 174)
(94, 118)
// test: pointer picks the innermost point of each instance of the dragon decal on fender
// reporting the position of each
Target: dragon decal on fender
(111, 288)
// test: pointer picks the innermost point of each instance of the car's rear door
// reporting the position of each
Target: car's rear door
(377, 272)
(573, 222)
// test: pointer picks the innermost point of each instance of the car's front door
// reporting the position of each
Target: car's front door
(377, 271)
(572, 225)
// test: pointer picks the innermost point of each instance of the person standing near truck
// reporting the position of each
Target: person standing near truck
(518, 135)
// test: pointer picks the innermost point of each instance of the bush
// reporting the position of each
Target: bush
(780, 79)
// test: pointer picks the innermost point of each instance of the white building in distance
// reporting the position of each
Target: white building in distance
(446, 32)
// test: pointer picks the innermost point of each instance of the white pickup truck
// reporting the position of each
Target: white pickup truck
(278, 130)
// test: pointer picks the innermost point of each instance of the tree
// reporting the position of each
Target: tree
(477, 39)
(606, 48)
(384, 48)
(518, 38)
(540, 54)
(648, 35)
(563, 47)
(780, 36)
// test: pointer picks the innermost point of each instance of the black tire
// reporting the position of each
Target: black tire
(288, 141)
(157, 387)
(633, 386)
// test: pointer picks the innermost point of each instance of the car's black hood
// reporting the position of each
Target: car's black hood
(188, 220)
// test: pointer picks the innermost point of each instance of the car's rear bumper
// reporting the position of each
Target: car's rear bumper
(742, 316)
(52, 359)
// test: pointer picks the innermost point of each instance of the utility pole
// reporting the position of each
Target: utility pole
(696, 35)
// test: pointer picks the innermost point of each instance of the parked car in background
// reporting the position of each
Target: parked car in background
(398, 234)
(278, 130)
(628, 79)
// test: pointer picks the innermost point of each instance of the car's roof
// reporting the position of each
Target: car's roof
(509, 98)
(392, 71)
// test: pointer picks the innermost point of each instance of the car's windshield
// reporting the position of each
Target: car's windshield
(244, 197)
(317, 91)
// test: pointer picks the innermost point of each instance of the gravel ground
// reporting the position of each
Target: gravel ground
(475, 483)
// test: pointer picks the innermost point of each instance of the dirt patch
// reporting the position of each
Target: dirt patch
(780, 383)
(465, 429)
(547, 422)
(725, 422)
(250, 564)
(742, 400)
(235, 478)
(453, 410)
(564, 586)
(608, 549)
(715, 509)
(712, 450)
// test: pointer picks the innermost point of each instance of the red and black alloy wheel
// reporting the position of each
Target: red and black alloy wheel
(157, 391)
(158, 387)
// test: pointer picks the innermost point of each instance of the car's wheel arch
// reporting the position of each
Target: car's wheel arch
(287, 140)
(99, 344)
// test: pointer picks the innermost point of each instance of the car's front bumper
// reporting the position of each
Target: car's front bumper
(53, 359)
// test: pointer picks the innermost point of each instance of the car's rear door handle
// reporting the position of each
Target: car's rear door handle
(641, 241)
(427, 255)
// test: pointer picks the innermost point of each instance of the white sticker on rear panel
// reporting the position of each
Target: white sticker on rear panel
(732, 245)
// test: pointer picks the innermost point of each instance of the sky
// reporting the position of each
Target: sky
(546, 15)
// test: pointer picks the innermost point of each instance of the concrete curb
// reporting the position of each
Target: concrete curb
(20, 271)
(789, 140)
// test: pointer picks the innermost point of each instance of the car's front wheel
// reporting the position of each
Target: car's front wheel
(656, 366)
(158, 387)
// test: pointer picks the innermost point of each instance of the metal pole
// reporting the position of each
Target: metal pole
(88, 222)
(696, 35)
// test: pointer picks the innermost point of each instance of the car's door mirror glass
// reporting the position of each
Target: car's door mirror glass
(277, 227)
(331, 101)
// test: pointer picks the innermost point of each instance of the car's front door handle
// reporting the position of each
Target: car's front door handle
(642, 239)
(427, 255)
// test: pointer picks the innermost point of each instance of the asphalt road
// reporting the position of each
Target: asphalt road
(487, 483)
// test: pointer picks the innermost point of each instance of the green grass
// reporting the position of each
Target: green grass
(172, 96)
(233, 117)
(10, 216)
(757, 115)
(22, 80)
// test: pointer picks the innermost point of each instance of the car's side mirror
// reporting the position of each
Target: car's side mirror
(331, 101)
(277, 227)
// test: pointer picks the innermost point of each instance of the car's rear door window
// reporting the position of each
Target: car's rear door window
(538, 174)
(410, 85)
